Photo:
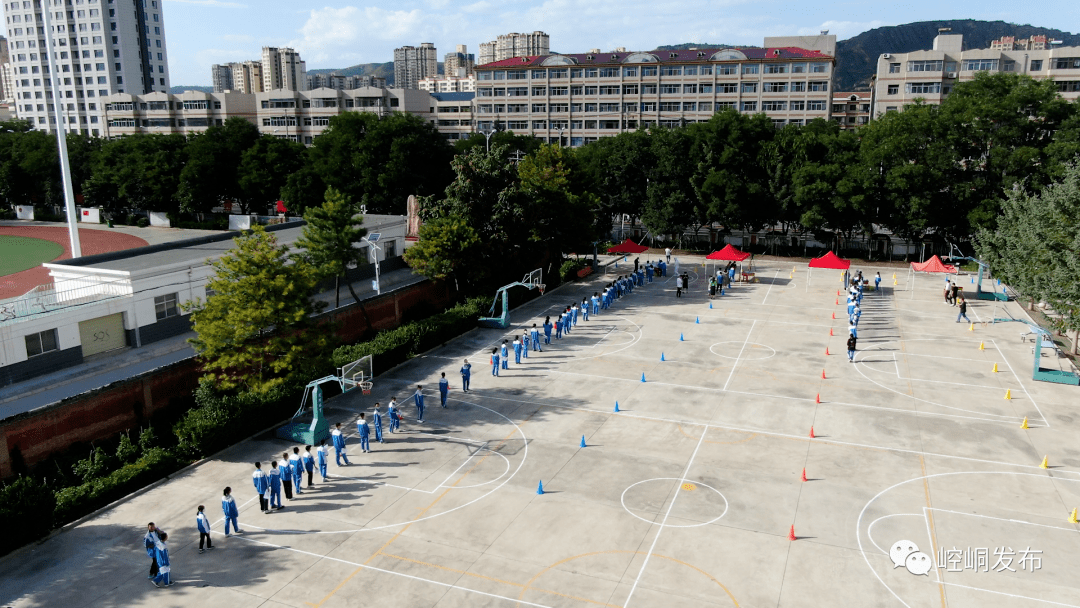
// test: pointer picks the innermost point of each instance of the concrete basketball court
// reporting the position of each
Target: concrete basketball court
(686, 497)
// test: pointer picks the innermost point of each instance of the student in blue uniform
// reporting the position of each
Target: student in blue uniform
(534, 335)
(149, 541)
(466, 375)
(296, 466)
(595, 303)
(444, 388)
(525, 344)
(275, 486)
(322, 457)
(585, 309)
(395, 415)
(309, 465)
(339, 445)
(547, 330)
(286, 475)
(418, 398)
(877, 282)
(161, 554)
(495, 362)
(364, 431)
(504, 352)
(517, 351)
(574, 312)
(228, 507)
(262, 487)
(558, 327)
(376, 419)
(203, 525)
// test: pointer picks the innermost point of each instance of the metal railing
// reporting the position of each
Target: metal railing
(53, 298)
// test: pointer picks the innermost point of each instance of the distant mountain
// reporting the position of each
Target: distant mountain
(856, 58)
(381, 70)
(180, 88)
(701, 45)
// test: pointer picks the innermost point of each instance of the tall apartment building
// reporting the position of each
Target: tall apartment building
(578, 98)
(449, 84)
(1012, 43)
(930, 75)
(460, 63)
(514, 44)
(221, 75)
(4, 76)
(282, 69)
(851, 109)
(342, 82)
(413, 64)
(102, 48)
(247, 77)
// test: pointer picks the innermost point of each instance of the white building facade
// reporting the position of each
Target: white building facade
(101, 47)
(514, 44)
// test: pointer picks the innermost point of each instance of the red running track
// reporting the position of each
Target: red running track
(93, 242)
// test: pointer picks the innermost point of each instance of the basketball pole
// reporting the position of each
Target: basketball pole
(61, 138)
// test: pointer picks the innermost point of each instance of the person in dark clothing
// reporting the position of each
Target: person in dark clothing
(953, 289)
(963, 311)
(851, 341)
(150, 543)
(637, 264)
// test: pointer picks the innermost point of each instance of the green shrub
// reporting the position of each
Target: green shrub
(213, 425)
(74, 502)
(394, 346)
(27, 505)
(568, 270)
(126, 451)
(96, 465)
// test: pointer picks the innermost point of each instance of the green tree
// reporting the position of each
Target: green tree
(255, 331)
(264, 170)
(560, 216)
(29, 166)
(329, 239)
(212, 159)
(446, 249)
(671, 201)
(616, 170)
(138, 172)
(520, 144)
(303, 189)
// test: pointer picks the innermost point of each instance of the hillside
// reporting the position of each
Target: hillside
(381, 70)
(180, 88)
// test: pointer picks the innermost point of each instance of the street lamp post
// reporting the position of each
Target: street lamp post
(371, 239)
(61, 133)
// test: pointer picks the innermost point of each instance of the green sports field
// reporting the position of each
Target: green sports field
(18, 253)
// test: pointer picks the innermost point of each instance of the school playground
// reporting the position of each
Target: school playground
(748, 464)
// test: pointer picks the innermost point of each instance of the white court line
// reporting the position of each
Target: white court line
(870, 528)
(736, 364)
(393, 573)
(896, 364)
(1045, 421)
(770, 287)
(1022, 597)
(788, 435)
(1015, 521)
(663, 523)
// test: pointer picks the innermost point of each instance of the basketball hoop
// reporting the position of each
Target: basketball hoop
(541, 287)
(365, 387)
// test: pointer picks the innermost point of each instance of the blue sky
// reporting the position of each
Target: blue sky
(336, 34)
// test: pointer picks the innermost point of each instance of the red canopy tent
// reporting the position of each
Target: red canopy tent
(934, 264)
(628, 246)
(830, 260)
(728, 253)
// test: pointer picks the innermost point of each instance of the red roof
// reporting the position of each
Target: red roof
(627, 246)
(728, 253)
(680, 56)
(934, 264)
(830, 260)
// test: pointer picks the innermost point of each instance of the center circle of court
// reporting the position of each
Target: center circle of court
(749, 351)
(696, 504)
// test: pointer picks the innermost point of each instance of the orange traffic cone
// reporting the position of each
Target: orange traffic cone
(804, 474)
(826, 351)
(812, 429)
(837, 301)
(823, 375)
(818, 398)
(830, 332)
(834, 316)
(791, 534)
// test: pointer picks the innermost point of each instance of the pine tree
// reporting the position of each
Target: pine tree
(329, 239)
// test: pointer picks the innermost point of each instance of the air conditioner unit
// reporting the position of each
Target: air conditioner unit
(952, 74)
(886, 55)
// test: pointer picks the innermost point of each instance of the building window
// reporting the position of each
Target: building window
(1036, 65)
(776, 68)
(819, 68)
(798, 106)
(819, 86)
(165, 306)
(749, 87)
(750, 69)
(749, 106)
(894, 89)
(798, 87)
(1067, 63)
(815, 106)
(923, 88)
(924, 66)
(894, 68)
(41, 343)
(981, 65)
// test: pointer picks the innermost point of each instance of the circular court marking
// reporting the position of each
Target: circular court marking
(706, 499)
(19, 253)
(752, 352)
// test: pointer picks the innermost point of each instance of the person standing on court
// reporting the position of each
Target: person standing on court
(418, 397)
(466, 375)
(203, 525)
(309, 465)
(595, 303)
(525, 343)
(574, 313)
(262, 487)
(954, 290)
(364, 432)
(228, 507)
(275, 486)
(667, 254)
(296, 466)
(851, 342)
(444, 389)
(322, 457)
(161, 556)
(534, 337)
(558, 327)
(495, 362)
(395, 416)
(286, 476)
(963, 311)
(877, 282)
(585, 309)
(149, 542)
(517, 351)
(547, 330)
(504, 352)
(678, 286)
(339, 445)
(376, 419)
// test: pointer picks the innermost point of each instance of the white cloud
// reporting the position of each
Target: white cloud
(218, 3)
(842, 29)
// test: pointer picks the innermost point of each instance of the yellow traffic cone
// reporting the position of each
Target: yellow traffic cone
(1072, 518)
(982, 346)
(995, 368)
(1008, 393)
(971, 327)
(1045, 464)
(894, 282)
(1024, 424)
(894, 276)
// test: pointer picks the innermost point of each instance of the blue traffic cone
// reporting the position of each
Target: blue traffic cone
(540, 488)
(721, 291)
(616, 264)
(616, 406)
(642, 376)
(661, 356)
(710, 305)
(697, 320)
(680, 338)
(582, 441)
(972, 280)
